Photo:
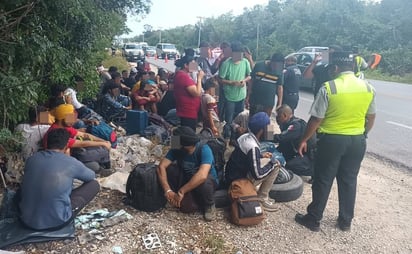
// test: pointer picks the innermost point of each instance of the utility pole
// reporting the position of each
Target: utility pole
(160, 35)
(257, 42)
(200, 28)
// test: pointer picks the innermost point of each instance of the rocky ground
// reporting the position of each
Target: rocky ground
(381, 224)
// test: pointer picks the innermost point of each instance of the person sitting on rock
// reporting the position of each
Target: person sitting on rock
(32, 132)
(196, 164)
(87, 148)
(292, 129)
(113, 109)
(47, 198)
(245, 161)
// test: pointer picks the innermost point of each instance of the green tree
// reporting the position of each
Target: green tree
(44, 42)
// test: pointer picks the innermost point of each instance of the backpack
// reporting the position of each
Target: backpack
(218, 147)
(158, 120)
(160, 134)
(104, 131)
(245, 209)
(143, 190)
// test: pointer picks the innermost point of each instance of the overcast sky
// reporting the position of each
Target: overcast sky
(166, 14)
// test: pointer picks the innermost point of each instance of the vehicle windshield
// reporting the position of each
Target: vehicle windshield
(132, 46)
(169, 46)
(150, 48)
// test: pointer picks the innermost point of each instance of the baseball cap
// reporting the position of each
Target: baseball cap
(258, 122)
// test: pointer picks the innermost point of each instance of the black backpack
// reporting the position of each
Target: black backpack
(143, 190)
(218, 147)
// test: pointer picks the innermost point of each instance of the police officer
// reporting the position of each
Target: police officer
(320, 72)
(360, 63)
(292, 79)
(292, 129)
(343, 111)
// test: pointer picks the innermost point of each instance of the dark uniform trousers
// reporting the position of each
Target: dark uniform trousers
(337, 156)
(291, 99)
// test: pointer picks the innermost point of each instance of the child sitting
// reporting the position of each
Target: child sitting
(209, 107)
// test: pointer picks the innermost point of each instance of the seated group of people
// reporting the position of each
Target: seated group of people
(139, 90)
(69, 138)
(200, 176)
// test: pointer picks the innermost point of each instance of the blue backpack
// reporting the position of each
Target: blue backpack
(104, 131)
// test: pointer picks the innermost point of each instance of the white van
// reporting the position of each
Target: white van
(163, 49)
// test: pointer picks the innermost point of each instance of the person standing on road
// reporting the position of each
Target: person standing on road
(187, 92)
(226, 53)
(267, 80)
(234, 74)
(320, 72)
(292, 81)
(343, 112)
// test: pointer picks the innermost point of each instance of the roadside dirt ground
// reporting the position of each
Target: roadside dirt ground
(381, 224)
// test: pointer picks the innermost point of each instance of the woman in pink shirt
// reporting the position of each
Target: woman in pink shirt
(187, 92)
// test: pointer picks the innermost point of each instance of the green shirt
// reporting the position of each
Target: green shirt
(235, 72)
(265, 84)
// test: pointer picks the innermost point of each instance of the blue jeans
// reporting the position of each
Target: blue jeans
(232, 109)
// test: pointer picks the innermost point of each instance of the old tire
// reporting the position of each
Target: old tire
(285, 192)
(221, 198)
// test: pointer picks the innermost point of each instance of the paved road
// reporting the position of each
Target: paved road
(391, 137)
(170, 65)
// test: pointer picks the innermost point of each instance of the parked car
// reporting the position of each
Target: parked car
(304, 58)
(163, 49)
(133, 52)
(149, 51)
(312, 49)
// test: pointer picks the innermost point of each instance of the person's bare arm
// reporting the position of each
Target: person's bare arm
(370, 120)
(88, 136)
(196, 180)
(308, 73)
(162, 174)
(313, 125)
(280, 96)
(87, 143)
(196, 90)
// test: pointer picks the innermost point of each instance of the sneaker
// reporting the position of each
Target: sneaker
(343, 225)
(210, 213)
(269, 205)
(308, 222)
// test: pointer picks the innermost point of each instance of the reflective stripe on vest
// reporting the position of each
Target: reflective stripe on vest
(348, 102)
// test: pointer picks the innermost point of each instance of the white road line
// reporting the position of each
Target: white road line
(400, 125)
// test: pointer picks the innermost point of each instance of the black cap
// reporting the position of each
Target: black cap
(341, 57)
(188, 136)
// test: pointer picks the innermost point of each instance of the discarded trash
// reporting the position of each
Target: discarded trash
(101, 218)
(151, 241)
(117, 250)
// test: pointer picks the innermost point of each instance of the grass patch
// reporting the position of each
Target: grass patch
(118, 61)
(216, 244)
(378, 75)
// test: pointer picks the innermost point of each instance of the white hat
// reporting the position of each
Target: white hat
(100, 68)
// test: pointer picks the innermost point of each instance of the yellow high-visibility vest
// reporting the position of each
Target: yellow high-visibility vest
(349, 100)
